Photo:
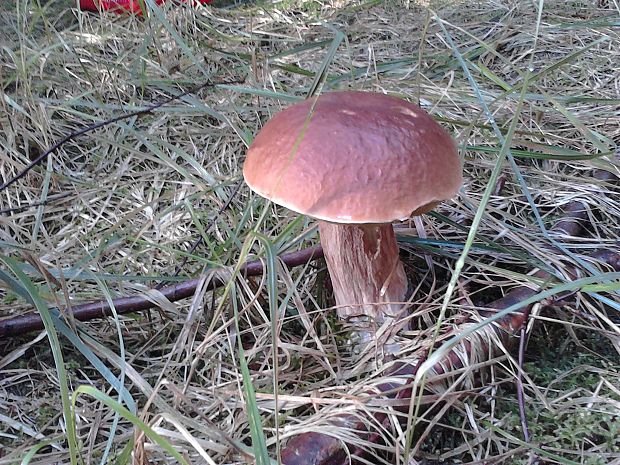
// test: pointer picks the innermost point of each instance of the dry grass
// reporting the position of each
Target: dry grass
(114, 211)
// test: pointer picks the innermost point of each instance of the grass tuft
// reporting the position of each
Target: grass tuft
(229, 375)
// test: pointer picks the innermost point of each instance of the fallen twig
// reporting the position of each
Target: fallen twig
(317, 448)
(314, 448)
(92, 127)
(32, 321)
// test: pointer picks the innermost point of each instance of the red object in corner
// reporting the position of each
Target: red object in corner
(120, 6)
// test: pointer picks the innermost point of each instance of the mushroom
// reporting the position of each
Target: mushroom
(356, 161)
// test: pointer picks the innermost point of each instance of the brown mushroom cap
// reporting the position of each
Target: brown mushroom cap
(354, 157)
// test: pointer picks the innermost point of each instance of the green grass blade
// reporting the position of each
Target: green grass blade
(561, 154)
(127, 415)
(95, 361)
(259, 443)
(325, 64)
(262, 93)
(272, 292)
(26, 459)
(63, 380)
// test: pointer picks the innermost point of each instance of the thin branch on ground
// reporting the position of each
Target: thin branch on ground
(322, 449)
(32, 321)
(149, 109)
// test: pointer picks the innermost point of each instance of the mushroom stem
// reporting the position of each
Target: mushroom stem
(367, 275)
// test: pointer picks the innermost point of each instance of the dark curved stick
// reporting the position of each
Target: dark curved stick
(92, 127)
(321, 449)
(32, 321)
